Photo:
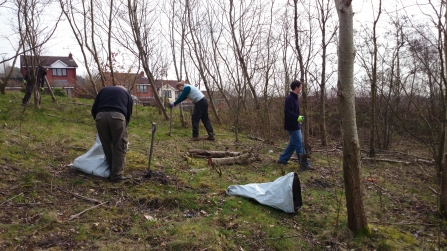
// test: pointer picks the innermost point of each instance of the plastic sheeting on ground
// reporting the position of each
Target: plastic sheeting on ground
(93, 162)
(284, 193)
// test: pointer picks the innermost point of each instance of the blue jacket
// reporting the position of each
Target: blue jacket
(291, 113)
(191, 92)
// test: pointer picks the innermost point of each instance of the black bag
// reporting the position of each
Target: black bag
(296, 190)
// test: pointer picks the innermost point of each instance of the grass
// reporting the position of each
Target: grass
(40, 193)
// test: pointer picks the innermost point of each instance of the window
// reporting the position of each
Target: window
(59, 72)
(177, 94)
(141, 88)
(167, 93)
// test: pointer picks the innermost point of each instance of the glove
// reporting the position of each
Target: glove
(171, 105)
(300, 119)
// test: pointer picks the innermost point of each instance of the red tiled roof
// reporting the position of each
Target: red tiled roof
(47, 61)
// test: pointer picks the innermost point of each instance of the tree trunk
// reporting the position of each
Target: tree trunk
(443, 177)
(136, 17)
(346, 93)
(372, 140)
(303, 102)
(443, 143)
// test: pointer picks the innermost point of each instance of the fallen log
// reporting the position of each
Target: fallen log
(245, 158)
(387, 160)
(211, 154)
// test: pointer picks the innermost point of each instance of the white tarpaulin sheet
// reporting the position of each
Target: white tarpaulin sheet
(277, 194)
(93, 162)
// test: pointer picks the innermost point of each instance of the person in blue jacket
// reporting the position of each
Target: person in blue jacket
(112, 110)
(200, 109)
(292, 124)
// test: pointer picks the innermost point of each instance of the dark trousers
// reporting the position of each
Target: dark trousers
(28, 92)
(112, 131)
(201, 113)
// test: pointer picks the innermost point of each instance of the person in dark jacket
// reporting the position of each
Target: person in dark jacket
(112, 110)
(42, 73)
(292, 124)
(28, 89)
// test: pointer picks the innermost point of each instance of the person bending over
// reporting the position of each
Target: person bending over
(112, 110)
(200, 109)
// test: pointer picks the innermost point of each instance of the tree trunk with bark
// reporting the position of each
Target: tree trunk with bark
(346, 93)
(443, 145)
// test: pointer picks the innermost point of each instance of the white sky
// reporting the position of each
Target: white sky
(63, 43)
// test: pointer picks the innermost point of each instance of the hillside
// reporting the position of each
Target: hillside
(47, 205)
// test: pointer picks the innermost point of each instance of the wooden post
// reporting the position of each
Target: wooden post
(51, 90)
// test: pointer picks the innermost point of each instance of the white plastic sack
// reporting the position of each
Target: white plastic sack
(277, 194)
(93, 162)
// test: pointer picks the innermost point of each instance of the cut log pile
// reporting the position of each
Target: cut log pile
(225, 157)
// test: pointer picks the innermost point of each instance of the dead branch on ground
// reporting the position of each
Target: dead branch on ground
(79, 214)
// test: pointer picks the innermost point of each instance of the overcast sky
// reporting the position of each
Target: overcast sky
(63, 43)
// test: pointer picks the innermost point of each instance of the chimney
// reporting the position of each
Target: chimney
(142, 74)
(70, 56)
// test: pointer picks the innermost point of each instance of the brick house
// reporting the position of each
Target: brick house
(165, 89)
(138, 85)
(61, 71)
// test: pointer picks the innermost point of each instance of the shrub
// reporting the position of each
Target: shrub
(59, 92)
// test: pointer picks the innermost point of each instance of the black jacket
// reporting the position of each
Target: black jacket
(113, 99)
(291, 113)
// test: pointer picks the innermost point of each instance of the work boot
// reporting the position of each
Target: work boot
(303, 160)
(303, 169)
(211, 138)
(195, 139)
(120, 178)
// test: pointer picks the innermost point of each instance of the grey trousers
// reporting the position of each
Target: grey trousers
(112, 131)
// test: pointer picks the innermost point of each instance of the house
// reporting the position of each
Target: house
(143, 90)
(218, 99)
(167, 90)
(61, 71)
(138, 85)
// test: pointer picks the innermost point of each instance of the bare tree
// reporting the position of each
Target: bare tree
(443, 136)
(177, 27)
(243, 29)
(372, 141)
(141, 19)
(324, 16)
(390, 80)
(197, 44)
(303, 62)
(4, 83)
(85, 34)
(371, 69)
(35, 29)
(215, 71)
(351, 147)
